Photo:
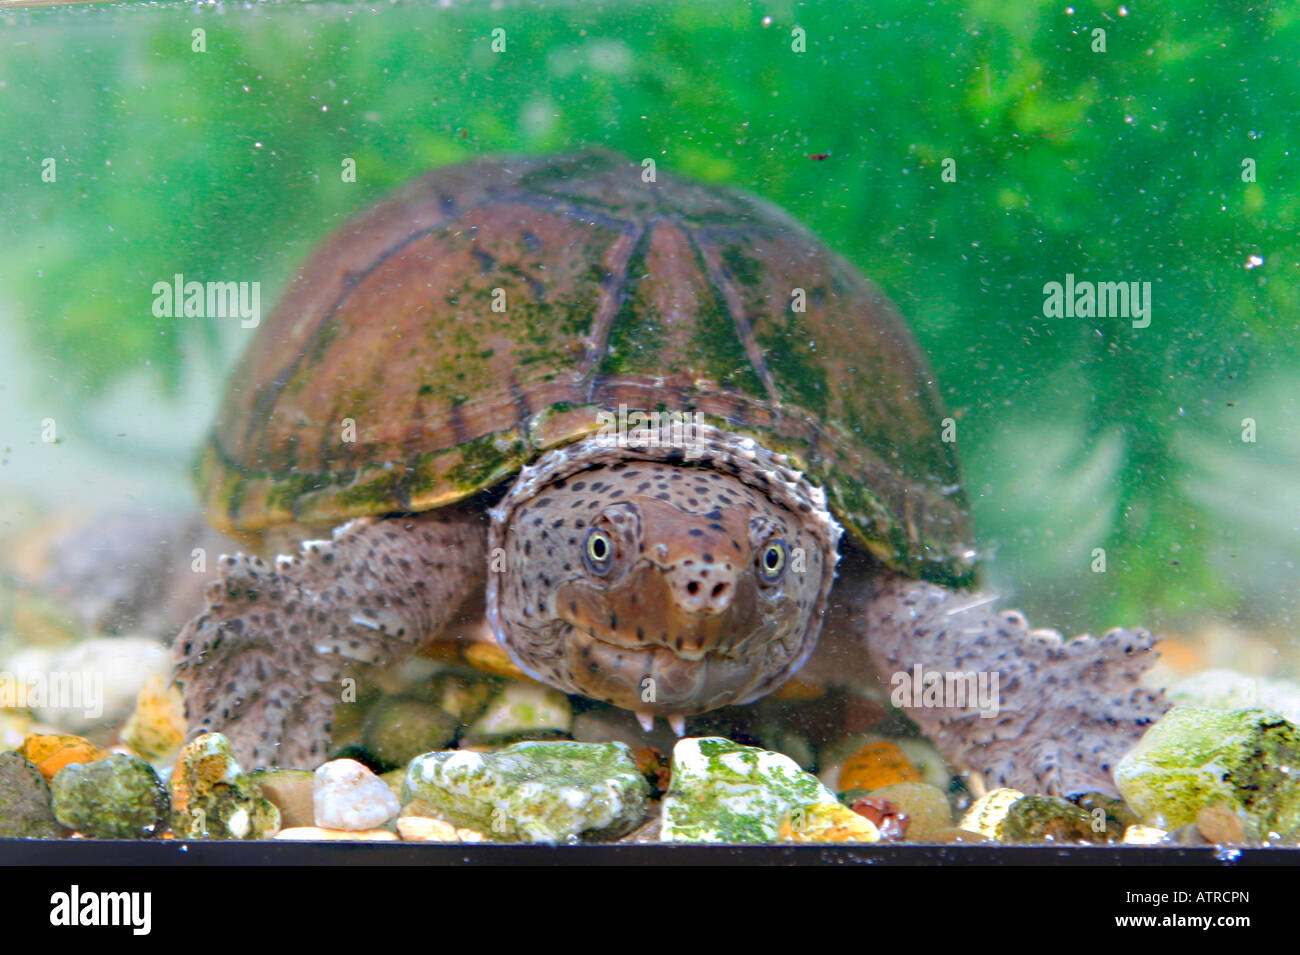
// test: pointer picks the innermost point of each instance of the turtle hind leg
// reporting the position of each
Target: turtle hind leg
(1060, 714)
(265, 661)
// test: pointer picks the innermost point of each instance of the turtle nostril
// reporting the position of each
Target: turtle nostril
(693, 587)
(719, 590)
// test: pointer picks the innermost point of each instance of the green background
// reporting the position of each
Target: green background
(1122, 165)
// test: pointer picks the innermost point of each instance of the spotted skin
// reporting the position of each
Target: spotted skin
(705, 592)
(265, 661)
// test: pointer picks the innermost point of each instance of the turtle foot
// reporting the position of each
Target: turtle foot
(1025, 708)
(246, 673)
(279, 647)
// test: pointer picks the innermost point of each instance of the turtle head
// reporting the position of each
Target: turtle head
(665, 588)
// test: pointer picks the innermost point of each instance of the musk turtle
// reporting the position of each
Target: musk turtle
(653, 439)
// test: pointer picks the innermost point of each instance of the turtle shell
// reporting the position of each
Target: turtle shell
(489, 311)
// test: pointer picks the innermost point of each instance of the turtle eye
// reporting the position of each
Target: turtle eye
(598, 551)
(772, 560)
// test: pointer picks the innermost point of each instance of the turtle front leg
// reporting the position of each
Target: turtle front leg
(1024, 708)
(264, 662)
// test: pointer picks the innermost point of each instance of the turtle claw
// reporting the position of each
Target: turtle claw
(676, 720)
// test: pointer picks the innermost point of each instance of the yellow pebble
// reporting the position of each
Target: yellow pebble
(156, 729)
(50, 753)
(492, 659)
(316, 834)
(827, 822)
(427, 829)
(876, 765)
(986, 814)
(1144, 836)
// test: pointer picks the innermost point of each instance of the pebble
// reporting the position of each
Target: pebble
(157, 727)
(430, 829)
(462, 698)
(919, 754)
(725, 792)
(1109, 811)
(1144, 836)
(538, 791)
(318, 834)
(25, 811)
(346, 795)
(522, 711)
(800, 690)
(1050, 819)
(1193, 758)
(397, 729)
(926, 807)
(1228, 689)
(826, 822)
(393, 779)
(986, 814)
(213, 798)
(1221, 824)
(51, 752)
(490, 658)
(117, 797)
(290, 791)
(877, 765)
(106, 675)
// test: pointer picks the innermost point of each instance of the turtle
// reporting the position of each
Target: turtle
(648, 436)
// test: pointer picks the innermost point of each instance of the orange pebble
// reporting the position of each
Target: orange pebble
(1182, 656)
(446, 652)
(876, 765)
(797, 689)
(50, 753)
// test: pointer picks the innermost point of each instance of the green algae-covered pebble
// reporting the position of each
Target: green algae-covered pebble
(212, 797)
(1050, 819)
(398, 729)
(522, 711)
(1192, 758)
(725, 792)
(119, 797)
(25, 811)
(1108, 812)
(538, 791)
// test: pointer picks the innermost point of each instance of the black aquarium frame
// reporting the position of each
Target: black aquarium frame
(175, 852)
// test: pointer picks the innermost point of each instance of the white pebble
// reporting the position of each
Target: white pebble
(346, 795)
